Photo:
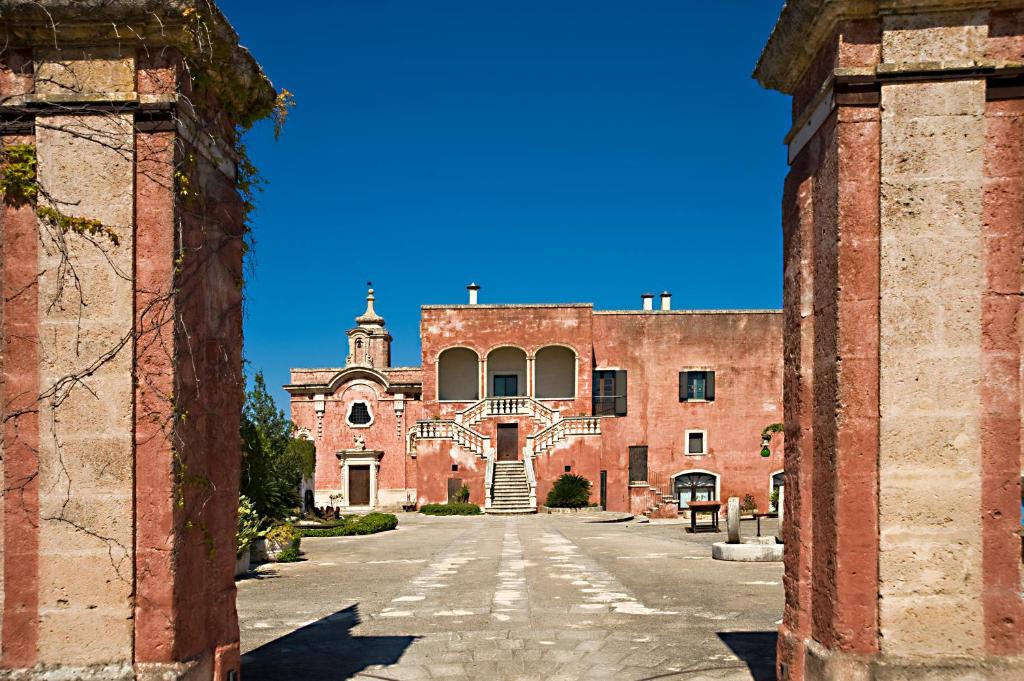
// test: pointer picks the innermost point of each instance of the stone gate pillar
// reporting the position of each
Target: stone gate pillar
(903, 223)
(120, 285)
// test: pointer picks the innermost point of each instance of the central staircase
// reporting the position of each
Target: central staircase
(511, 492)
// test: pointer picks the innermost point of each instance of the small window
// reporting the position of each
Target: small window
(696, 386)
(359, 343)
(359, 414)
(609, 393)
(696, 442)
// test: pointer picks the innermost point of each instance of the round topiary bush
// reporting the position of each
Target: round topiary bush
(569, 491)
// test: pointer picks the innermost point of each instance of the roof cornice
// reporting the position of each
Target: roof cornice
(804, 26)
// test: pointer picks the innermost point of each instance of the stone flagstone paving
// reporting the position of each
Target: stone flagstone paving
(532, 598)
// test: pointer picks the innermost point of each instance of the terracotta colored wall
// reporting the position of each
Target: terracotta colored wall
(744, 350)
(483, 328)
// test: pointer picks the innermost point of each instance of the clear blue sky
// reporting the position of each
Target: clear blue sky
(550, 150)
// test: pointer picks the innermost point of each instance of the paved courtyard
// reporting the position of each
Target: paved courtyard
(534, 597)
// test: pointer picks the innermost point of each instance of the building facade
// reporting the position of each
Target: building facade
(654, 407)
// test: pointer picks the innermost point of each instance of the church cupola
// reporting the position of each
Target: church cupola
(369, 345)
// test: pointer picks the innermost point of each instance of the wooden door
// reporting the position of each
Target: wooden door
(638, 464)
(508, 442)
(359, 485)
(604, 490)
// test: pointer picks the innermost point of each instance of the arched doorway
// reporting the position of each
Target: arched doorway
(774, 494)
(458, 375)
(696, 485)
(554, 370)
(506, 372)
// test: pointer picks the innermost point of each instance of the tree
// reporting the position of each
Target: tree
(273, 462)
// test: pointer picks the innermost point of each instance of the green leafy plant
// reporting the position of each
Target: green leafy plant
(451, 508)
(569, 491)
(371, 523)
(273, 462)
(766, 437)
(289, 555)
(281, 534)
(461, 495)
(748, 505)
(774, 498)
(250, 525)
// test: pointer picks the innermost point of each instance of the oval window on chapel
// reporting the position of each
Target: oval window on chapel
(359, 414)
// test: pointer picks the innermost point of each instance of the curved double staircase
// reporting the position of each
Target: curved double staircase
(510, 486)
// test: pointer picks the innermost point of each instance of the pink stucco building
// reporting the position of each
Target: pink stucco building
(653, 406)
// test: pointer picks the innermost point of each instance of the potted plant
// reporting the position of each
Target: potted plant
(748, 506)
(766, 438)
(249, 529)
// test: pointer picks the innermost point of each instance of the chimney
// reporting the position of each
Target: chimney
(473, 288)
(648, 299)
(666, 300)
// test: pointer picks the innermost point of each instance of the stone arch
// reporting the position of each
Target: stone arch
(554, 371)
(693, 473)
(775, 480)
(458, 375)
(504, 362)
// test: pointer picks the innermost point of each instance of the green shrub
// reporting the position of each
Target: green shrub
(371, 523)
(450, 508)
(280, 535)
(461, 496)
(289, 555)
(569, 491)
(748, 505)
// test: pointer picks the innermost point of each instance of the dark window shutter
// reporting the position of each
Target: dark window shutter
(620, 393)
(683, 378)
(709, 386)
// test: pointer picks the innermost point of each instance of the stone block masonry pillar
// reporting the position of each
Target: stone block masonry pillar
(904, 234)
(120, 276)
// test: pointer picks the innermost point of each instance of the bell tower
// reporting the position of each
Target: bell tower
(369, 345)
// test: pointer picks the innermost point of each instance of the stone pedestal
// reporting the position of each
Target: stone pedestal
(902, 217)
(732, 520)
(121, 339)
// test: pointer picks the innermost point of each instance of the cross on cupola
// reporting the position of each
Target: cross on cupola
(369, 345)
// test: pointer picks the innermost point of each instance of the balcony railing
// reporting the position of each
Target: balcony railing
(561, 429)
(443, 429)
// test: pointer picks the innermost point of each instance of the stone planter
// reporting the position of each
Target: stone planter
(242, 562)
(263, 551)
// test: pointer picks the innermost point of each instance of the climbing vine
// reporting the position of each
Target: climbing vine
(20, 186)
(223, 107)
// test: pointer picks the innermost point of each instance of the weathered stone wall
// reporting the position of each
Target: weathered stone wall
(902, 226)
(121, 352)
(932, 278)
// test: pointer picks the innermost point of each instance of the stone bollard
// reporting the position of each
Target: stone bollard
(781, 506)
(732, 520)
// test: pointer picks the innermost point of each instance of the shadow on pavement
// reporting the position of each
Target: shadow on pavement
(756, 649)
(324, 649)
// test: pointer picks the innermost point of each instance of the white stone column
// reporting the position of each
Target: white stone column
(483, 378)
(531, 379)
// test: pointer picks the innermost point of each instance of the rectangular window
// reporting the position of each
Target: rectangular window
(638, 464)
(609, 392)
(506, 385)
(696, 386)
(696, 442)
